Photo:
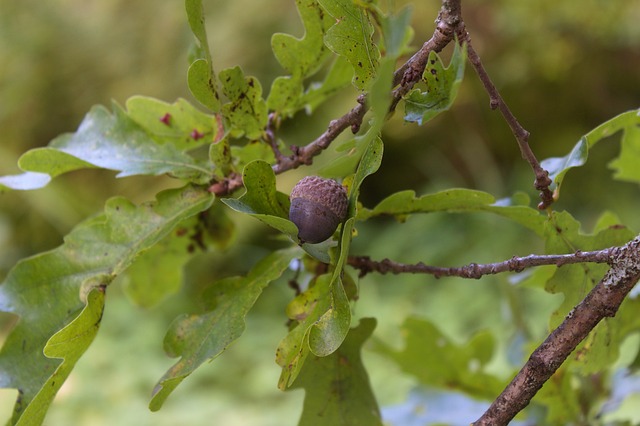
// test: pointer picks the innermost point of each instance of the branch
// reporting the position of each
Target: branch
(270, 135)
(603, 301)
(542, 180)
(476, 271)
(304, 155)
(448, 24)
(406, 76)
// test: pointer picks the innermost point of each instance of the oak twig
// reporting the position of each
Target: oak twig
(542, 180)
(270, 135)
(476, 271)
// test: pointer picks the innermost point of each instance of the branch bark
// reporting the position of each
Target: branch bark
(476, 271)
(603, 301)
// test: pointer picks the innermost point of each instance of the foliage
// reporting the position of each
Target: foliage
(59, 296)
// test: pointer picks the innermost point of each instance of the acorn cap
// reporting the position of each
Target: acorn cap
(326, 192)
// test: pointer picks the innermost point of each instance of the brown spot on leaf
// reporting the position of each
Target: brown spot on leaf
(165, 119)
(195, 135)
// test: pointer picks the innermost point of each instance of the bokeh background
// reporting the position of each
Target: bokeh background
(562, 66)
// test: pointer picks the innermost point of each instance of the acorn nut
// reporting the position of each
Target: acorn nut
(318, 206)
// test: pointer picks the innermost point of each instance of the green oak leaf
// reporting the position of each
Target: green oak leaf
(328, 332)
(600, 349)
(322, 301)
(625, 166)
(563, 235)
(220, 156)
(301, 57)
(404, 203)
(68, 344)
(285, 95)
(338, 76)
(560, 398)
(379, 98)
(352, 37)
(113, 141)
(351, 151)
(180, 123)
(246, 111)
(201, 77)
(261, 196)
(199, 338)
(433, 359)
(46, 291)
(288, 95)
(249, 152)
(442, 87)
(396, 31)
(157, 273)
(337, 387)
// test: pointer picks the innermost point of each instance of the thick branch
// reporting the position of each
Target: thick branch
(474, 270)
(603, 301)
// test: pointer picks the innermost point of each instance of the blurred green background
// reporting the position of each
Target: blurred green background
(562, 66)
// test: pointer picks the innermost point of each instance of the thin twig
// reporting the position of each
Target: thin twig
(603, 301)
(305, 154)
(476, 271)
(270, 136)
(542, 180)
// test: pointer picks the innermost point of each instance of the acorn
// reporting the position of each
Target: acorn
(318, 206)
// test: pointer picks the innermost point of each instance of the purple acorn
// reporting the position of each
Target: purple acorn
(318, 206)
